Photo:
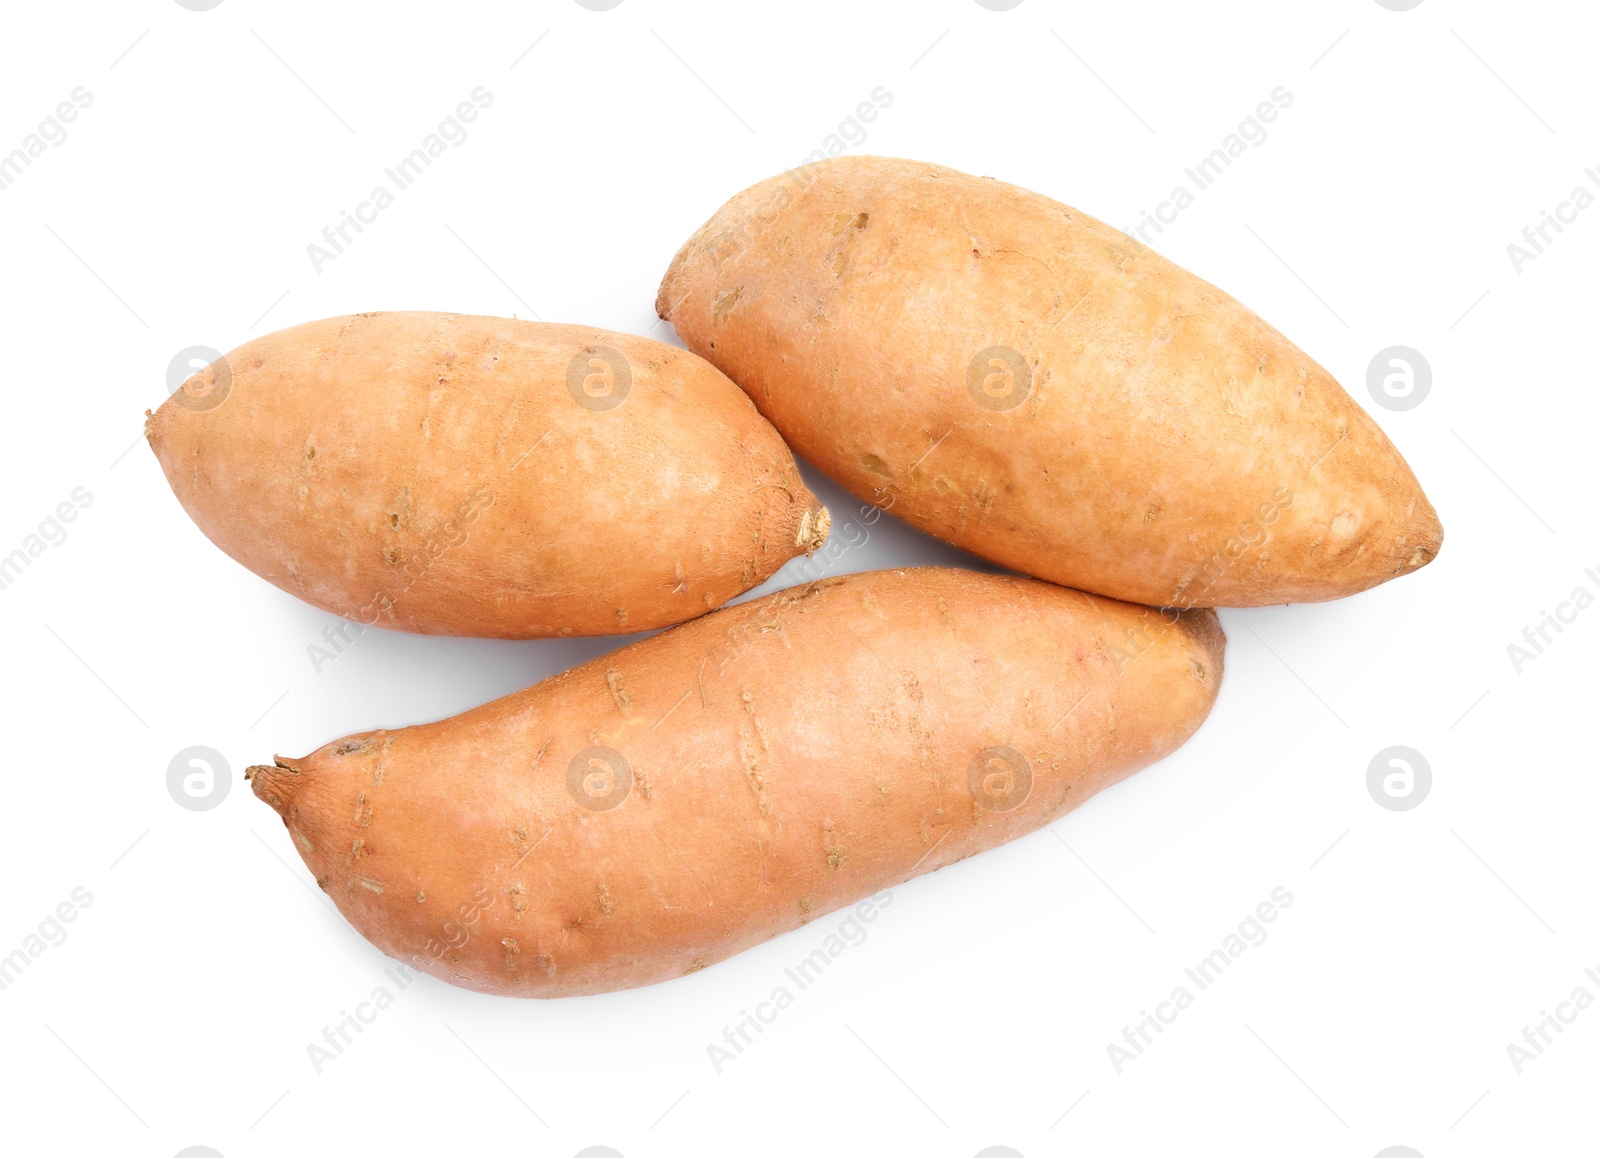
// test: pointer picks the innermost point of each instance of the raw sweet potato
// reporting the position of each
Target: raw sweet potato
(481, 476)
(690, 795)
(1036, 387)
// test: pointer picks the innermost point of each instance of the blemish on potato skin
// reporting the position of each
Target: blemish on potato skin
(876, 465)
(750, 708)
(724, 303)
(619, 694)
(752, 770)
(834, 852)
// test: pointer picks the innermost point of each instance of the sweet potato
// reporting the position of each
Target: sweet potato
(481, 476)
(660, 808)
(1036, 387)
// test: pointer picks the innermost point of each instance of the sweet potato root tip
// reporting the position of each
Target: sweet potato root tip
(814, 528)
(274, 784)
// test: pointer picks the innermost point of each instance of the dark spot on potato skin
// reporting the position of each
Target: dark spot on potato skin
(876, 465)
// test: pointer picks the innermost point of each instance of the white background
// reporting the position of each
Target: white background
(1419, 943)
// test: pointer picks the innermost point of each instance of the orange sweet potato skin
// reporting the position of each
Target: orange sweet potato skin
(658, 809)
(461, 475)
(1036, 387)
